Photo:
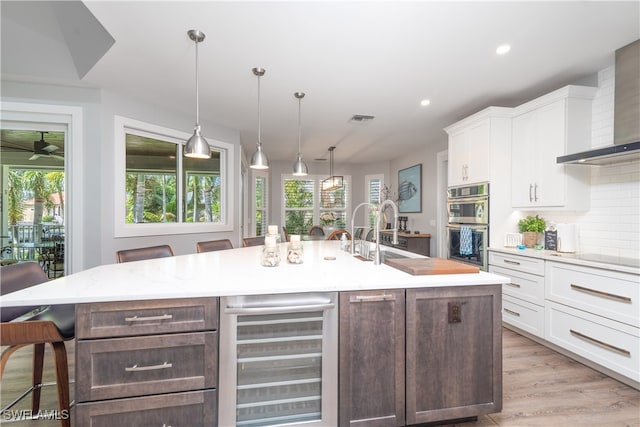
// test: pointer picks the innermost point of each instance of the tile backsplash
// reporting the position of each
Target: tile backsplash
(612, 224)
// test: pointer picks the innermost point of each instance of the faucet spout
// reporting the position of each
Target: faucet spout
(376, 259)
(353, 216)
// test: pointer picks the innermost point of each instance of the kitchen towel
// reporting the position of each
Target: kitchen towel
(466, 247)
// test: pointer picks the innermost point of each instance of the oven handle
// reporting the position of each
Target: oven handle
(470, 199)
(471, 226)
(279, 309)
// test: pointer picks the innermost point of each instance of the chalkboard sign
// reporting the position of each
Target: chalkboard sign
(550, 240)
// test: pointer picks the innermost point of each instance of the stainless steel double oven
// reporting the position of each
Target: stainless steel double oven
(468, 224)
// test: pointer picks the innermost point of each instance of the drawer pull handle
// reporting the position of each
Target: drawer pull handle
(600, 293)
(512, 312)
(508, 261)
(601, 343)
(514, 285)
(373, 298)
(148, 318)
(136, 368)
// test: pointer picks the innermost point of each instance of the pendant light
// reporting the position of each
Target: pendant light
(259, 160)
(333, 182)
(197, 147)
(299, 167)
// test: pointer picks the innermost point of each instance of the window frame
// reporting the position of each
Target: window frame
(124, 125)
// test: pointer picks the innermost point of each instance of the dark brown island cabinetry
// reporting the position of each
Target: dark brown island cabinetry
(420, 355)
(372, 358)
(416, 243)
(147, 362)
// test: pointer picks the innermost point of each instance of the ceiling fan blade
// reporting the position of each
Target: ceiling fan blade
(57, 156)
(49, 148)
(34, 156)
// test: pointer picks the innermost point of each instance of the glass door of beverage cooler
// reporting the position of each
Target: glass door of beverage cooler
(285, 367)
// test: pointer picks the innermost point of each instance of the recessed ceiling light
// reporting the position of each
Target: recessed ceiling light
(501, 50)
(425, 102)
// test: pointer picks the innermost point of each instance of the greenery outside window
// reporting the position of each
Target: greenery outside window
(305, 204)
(159, 191)
(373, 189)
(260, 203)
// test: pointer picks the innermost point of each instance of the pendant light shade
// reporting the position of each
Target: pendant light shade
(299, 167)
(259, 159)
(197, 147)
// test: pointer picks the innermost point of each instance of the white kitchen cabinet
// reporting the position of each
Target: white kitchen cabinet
(586, 312)
(471, 143)
(595, 314)
(523, 297)
(556, 124)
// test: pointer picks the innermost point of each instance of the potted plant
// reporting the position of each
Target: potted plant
(530, 227)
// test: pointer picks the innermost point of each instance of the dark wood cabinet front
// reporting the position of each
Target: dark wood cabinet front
(372, 358)
(419, 355)
(454, 353)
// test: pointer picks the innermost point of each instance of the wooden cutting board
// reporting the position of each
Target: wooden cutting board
(424, 266)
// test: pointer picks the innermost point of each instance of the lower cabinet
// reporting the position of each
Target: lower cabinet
(195, 408)
(147, 363)
(446, 363)
(371, 362)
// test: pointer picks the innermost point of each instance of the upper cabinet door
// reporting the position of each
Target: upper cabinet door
(549, 127)
(469, 154)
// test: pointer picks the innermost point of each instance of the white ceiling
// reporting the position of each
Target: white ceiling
(375, 58)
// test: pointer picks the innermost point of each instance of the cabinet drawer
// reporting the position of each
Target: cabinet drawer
(523, 315)
(611, 344)
(191, 409)
(137, 366)
(517, 262)
(528, 287)
(604, 293)
(128, 318)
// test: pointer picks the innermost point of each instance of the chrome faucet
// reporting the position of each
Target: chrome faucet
(353, 216)
(376, 258)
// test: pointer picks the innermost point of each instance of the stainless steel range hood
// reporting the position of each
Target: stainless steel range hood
(626, 128)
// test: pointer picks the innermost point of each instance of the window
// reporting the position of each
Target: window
(260, 202)
(305, 204)
(373, 194)
(159, 191)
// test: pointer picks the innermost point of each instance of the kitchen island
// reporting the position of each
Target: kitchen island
(449, 322)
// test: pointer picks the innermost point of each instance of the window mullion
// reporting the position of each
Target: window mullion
(180, 185)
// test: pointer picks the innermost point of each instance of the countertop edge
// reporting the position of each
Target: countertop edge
(567, 258)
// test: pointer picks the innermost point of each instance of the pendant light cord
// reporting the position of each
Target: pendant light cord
(197, 90)
(259, 137)
(299, 125)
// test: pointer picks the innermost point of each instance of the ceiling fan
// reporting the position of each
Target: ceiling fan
(44, 149)
(41, 149)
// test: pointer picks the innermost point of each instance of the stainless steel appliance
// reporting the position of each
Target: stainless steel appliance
(468, 224)
(280, 366)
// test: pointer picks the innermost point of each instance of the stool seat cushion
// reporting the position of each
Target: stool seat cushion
(62, 315)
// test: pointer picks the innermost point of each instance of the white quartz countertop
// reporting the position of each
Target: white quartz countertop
(232, 272)
(607, 262)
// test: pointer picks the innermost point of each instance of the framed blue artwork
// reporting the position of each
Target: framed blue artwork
(410, 189)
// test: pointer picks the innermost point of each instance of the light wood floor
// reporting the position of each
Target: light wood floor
(540, 387)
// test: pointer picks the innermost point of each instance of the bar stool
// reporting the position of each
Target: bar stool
(138, 254)
(214, 245)
(37, 326)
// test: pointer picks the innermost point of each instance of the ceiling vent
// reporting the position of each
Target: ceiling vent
(360, 118)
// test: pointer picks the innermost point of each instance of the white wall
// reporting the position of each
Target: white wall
(425, 221)
(612, 224)
(99, 108)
